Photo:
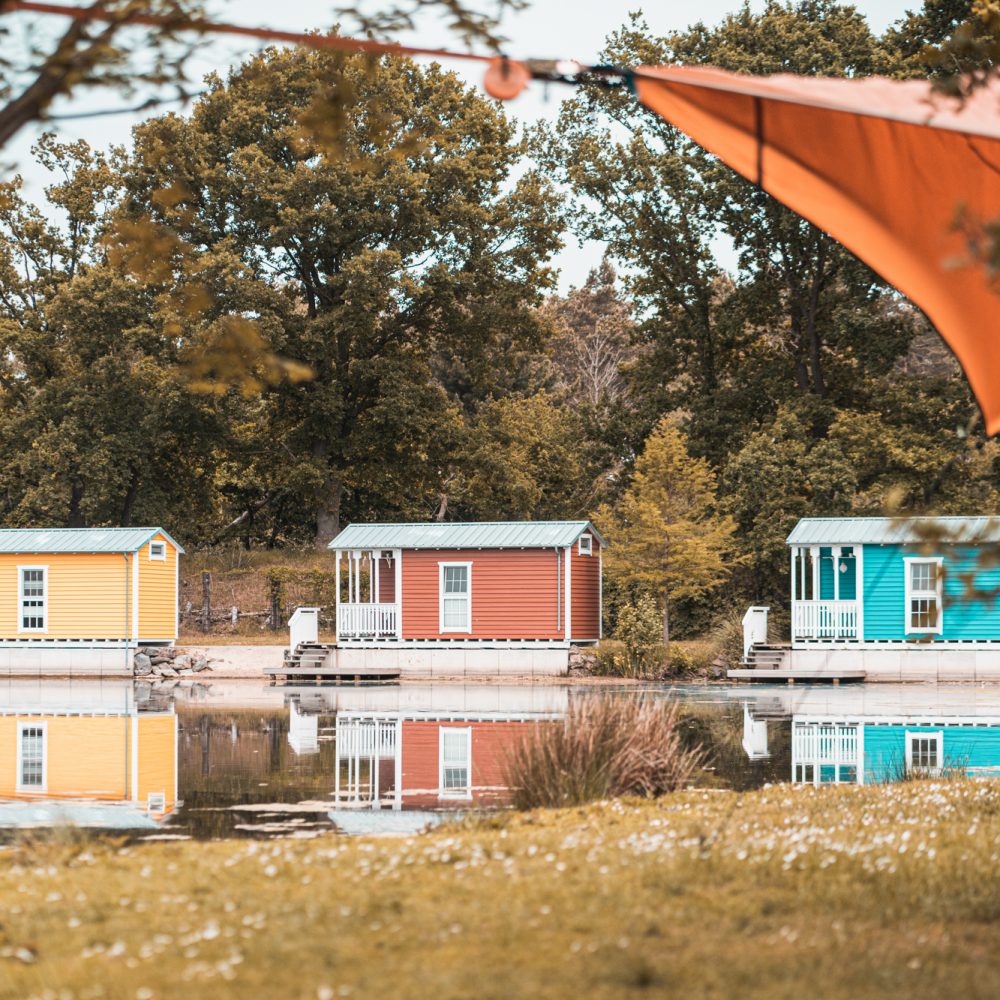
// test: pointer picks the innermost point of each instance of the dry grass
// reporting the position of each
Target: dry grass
(838, 893)
(603, 747)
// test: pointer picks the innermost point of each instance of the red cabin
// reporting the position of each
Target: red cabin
(515, 583)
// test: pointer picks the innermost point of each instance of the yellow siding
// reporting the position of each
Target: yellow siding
(86, 756)
(158, 757)
(91, 757)
(87, 595)
(158, 593)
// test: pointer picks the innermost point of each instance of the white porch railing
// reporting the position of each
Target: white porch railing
(366, 621)
(816, 743)
(824, 620)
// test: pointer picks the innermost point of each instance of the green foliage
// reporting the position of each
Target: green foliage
(640, 630)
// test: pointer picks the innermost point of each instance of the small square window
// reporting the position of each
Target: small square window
(158, 550)
(586, 545)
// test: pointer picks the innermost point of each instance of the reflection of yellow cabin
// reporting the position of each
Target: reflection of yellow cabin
(71, 597)
(95, 754)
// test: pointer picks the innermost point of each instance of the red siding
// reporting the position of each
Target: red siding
(585, 596)
(514, 593)
(420, 763)
(386, 581)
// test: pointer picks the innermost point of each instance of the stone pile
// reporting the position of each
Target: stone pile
(582, 660)
(167, 661)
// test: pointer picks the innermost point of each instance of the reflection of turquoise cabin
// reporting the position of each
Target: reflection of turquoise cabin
(872, 750)
(897, 599)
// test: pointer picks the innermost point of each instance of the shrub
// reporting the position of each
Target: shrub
(604, 747)
(640, 631)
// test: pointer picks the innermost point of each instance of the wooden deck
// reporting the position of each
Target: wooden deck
(332, 673)
(790, 675)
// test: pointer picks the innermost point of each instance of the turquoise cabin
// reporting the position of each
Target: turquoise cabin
(871, 750)
(864, 581)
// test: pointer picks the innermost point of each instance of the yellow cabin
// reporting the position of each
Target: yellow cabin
(76, 600)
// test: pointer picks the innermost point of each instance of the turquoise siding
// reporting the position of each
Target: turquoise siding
(885, 595)
(826, 570)
(974, 749)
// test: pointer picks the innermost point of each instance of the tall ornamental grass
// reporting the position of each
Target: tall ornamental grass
(602, 748)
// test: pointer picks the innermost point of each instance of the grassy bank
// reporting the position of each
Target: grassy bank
(782, 892)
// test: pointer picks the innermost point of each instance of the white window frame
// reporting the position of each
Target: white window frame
(20, 785)
(45, 600)
(162, 557)
(910, 594)
(938, 737)
(589, 550)
(455, 793)
(467, 628)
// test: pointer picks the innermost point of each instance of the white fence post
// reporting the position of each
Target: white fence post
(303, 626)
(754, 627)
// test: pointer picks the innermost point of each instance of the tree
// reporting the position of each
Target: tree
(594, 340)
(96, 423)
(406, 243)
(666, 533)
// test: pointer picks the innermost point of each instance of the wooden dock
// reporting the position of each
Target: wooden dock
(807, 675)
(319, 662)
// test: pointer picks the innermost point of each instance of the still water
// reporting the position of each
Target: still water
(231, 758)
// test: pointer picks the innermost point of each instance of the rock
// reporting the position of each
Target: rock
(201, 663)
(141, 665)
(167, 672)
(160, 658)
(182, 662)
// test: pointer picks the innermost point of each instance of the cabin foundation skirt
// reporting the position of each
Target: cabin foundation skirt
(44, 660)
(457, 662)
(909, 662)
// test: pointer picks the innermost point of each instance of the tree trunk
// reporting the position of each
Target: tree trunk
(128, 505)
(75, 518)
(328, 498)
(666, 619)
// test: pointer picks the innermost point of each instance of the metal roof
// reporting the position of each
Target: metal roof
(894, 530)
(78, 539)
(467, 535)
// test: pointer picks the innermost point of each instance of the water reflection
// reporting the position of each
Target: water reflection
(241, 759)
(87, 754)
(877, 734)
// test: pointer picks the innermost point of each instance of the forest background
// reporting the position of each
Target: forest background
(406, 356)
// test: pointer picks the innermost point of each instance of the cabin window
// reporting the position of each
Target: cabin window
(31, 776)
(158, 550)
(455, 753)
(924, 752)
(924, 612)
(32, 598)
(586, 545)
(456, 597)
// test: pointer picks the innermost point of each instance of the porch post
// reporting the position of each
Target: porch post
(814, 553)
(336, 603)
(397, 558)
(802, 571)
(859, 589)
(357, 577)
(793, 551)
(835, 551)
(377, 586)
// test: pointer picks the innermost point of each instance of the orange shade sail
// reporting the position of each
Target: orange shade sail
(885, 167)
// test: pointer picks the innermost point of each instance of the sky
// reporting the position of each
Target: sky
(568, 29)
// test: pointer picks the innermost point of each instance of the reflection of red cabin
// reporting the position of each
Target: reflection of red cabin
(400, 760)
(456, 762)
(441, 584)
